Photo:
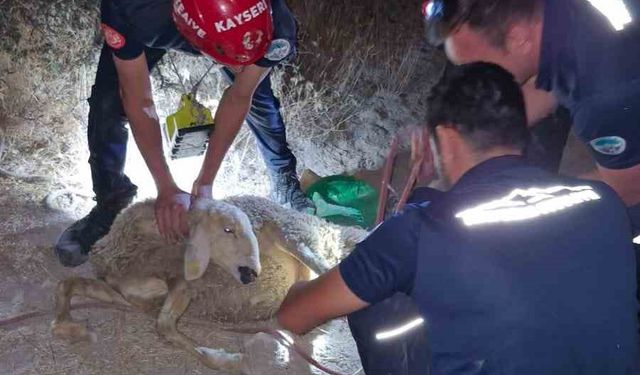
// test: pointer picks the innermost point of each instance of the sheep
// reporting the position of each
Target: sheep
(257, 251)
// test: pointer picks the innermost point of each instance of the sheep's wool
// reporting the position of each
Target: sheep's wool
(134, 247)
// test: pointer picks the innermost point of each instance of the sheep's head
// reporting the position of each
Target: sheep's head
(222, 233)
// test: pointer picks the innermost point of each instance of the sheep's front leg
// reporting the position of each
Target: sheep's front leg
(174, 306)
(271, 234)
(63, 325)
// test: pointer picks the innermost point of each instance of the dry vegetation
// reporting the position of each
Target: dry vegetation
(360, 75)
(45, 48)
(347, 44)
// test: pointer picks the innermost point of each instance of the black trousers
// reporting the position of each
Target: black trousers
(108, 135)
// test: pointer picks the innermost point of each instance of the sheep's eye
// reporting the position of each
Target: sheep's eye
(228, 230)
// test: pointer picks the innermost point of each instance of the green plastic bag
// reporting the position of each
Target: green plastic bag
(345, 200)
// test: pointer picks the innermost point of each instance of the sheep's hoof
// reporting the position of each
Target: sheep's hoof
(72, 331)
(219, 359)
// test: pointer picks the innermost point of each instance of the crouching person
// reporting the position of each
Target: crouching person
(514, 270)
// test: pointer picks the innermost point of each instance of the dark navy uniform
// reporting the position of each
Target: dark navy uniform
(594, 71)
(515, 271)
(134, 27)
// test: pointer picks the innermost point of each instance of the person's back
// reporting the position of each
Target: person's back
(523, 272)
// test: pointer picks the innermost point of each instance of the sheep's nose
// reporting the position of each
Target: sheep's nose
(247, 275)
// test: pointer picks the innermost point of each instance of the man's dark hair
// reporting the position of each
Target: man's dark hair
(483, 102)
(491, 17)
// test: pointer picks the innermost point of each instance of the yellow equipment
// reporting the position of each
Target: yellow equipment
(188, 129)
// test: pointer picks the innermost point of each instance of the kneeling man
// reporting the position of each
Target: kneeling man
(514, 270)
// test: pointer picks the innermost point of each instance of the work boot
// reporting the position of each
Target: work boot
(285, 190)
(75, 242)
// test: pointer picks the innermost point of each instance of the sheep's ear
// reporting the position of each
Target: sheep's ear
(196, 258)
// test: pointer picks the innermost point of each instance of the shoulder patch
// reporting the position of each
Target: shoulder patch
(609, 145)
(278, 50)
(113, 38)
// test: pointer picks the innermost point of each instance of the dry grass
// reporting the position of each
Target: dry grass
(350, 39)
(349, 51)
(45, 61)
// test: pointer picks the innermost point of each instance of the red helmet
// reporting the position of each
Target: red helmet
(232, 32)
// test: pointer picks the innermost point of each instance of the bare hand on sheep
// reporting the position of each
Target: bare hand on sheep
(171, 209)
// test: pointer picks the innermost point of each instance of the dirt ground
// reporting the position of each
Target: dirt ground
(127, 342)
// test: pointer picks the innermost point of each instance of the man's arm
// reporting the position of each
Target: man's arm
(625, 182)
(231, 113)
(539, 103)
(380, 266)
(310, 304)
(137, 100)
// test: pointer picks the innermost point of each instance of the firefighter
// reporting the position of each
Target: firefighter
(247, 38)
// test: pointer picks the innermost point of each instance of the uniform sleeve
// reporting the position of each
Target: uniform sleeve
(385, 262)
(116, 32)
(284, 44)
(279, 51)
(608, 123)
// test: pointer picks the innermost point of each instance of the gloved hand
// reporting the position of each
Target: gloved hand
(171, 209)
